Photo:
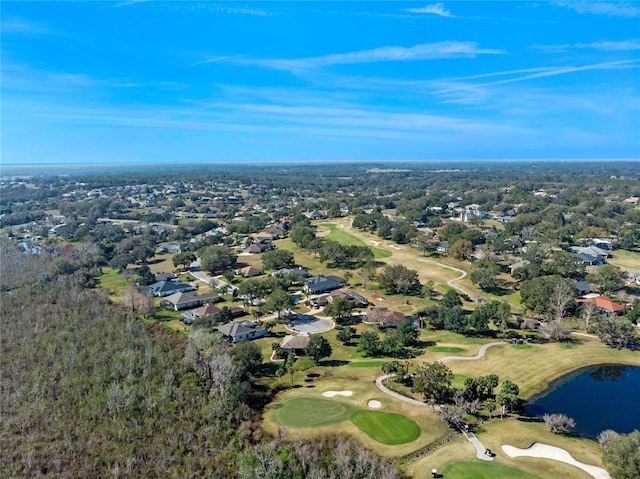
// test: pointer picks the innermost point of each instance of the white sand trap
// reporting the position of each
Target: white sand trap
(374, 404)
(557, 454)
(374, 243)
(395, 246)
(330, 394)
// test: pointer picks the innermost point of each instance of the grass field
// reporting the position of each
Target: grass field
(341, 236)
(366, 364)
(483, 470)
(386, 428)
(625, 260)
(533, 369)
(446, 349)
(306, 411)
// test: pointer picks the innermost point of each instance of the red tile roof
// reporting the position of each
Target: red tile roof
(604, 303)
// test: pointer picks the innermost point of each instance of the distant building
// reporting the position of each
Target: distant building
(238, 331)
(321, 284)
(167, 288)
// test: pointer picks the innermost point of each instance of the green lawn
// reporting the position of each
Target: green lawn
(114, 281)
(386, 428)
(446, 349)
(304, 411)
(483, 470)
(366, 364)
(341, 236)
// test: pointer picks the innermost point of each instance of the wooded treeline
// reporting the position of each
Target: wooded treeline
(89, 390)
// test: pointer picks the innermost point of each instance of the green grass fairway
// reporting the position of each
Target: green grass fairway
(386, 428)
(366, 364)
(483, 470)
(341, 236)
(307, 411)
(445, 349)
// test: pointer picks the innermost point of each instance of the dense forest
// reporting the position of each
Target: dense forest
(90, 391)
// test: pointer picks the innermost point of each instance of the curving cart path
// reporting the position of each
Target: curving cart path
(475, 442)
(480, 355)
(463, 274)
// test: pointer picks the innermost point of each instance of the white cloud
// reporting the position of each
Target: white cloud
(543, 72)
(129, 2)
(433, 9)
(424, 51)
(623, 45)
(612, 9)
(606, 45)
(25, 27)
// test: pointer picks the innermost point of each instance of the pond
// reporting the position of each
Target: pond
(597, 398)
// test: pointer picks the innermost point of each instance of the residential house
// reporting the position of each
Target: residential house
(631, 279)
(582, 287)
(188, 317)
(169, 247)
(298, 272)
(590, 260)
(248, 272)
(190, 299)
(167, 288)
(321, 284)
(238, 331)
(295, 343)
(262, 236)
(602, 243)
(256, 248)
(604, 305)
(384, 318)
(519, 264)
(165, 277)
(442, 246)
(355, 300)
(590, 250)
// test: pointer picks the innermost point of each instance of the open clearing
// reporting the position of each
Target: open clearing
(386, 428)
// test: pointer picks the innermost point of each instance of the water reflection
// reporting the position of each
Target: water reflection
(609, 372)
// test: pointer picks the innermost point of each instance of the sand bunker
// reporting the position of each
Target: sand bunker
(557, 454)
(330, 394)
(395, 246)
(374, 404)
(374, 243)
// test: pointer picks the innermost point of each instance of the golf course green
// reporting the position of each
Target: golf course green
(386, 428)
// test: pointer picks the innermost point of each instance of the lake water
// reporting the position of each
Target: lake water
(597, 398)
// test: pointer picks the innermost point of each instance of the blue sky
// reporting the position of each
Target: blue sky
(151, 81)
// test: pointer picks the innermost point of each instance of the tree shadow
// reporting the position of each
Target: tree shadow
(267, 369)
